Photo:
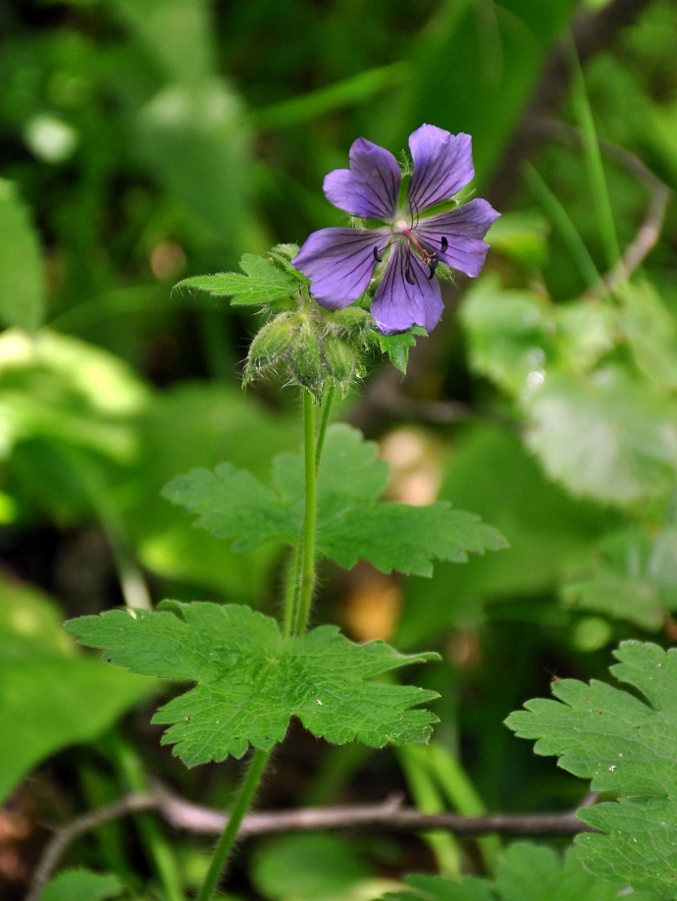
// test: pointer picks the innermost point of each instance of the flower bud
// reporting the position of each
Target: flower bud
(305, 357)
(350, 321)
(270, 344)
(340, 360)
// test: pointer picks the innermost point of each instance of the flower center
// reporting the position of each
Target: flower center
(429, 257)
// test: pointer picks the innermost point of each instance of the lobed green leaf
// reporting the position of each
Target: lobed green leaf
(624, 745)
(250, 681)
(263, 282)
(351, 522)
(398, 346)
(528, 873)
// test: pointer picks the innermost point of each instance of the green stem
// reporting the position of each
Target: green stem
(154, 841)
(601, 201)
(244, 798)
(455, 783)
(564, 225)
(291, 593)
(322, 431)
(425, 793)
(307, 580)
(132, 583)
(299, 586)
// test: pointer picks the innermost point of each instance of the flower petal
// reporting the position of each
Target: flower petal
(442, 166)
(456, 236)
(339, 263)
(398, 304)
(371, 187)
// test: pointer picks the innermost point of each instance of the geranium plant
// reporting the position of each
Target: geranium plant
(328, 305)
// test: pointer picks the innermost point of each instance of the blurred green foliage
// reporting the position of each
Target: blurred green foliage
(146, 141)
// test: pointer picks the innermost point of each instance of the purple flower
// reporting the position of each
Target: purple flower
(340, 262)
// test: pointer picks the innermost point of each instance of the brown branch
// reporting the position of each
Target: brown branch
(645, 239)
(388, 816)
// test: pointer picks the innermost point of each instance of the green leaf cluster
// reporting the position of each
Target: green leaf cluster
(626, 745)
(342, 337)
(527, 873)
(250, 681)
(352, 522)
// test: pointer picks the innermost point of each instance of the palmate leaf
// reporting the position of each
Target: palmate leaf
(527, 873)
(351, 522)
(250, 681)
(625, 745)
(263, 282)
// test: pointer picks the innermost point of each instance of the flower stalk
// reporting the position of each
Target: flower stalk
(307, 582)
(243, 801)
(298, 599)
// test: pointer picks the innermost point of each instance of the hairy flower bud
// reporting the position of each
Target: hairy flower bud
(305, 357)
(270, 345)
(341, 361)
(311, 347)
(350, 321)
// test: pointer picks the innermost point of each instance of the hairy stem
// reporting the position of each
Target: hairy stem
(324, 422)
(299, 586)
(307, 581)
(291, 593)
(225, 845)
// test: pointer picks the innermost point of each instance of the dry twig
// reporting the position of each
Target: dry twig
(388, 816)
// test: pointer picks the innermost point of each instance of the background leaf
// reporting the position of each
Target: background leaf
(52, 697)
(606, 436)
(22, 286)
(308, 867)
(633, 577)
(82, 885)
